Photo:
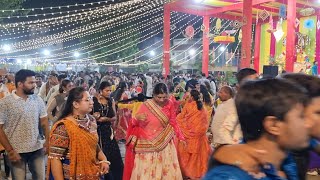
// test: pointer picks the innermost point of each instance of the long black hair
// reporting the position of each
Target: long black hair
(206, 96)
(75, 95)
(63, 84)
(119, 91)
(160, 88)
(196, 96)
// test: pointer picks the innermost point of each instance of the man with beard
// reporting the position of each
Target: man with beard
(20, 115)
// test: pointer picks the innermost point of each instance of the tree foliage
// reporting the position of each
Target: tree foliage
(10, 5)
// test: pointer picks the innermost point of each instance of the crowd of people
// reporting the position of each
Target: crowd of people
(184, 126)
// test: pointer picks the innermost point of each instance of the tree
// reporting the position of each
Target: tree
(120, 48)
(9, 5)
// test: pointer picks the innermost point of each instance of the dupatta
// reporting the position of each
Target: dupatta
(156, 143)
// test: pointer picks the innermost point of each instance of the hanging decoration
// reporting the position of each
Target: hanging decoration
(189, 32)
(218, 24)
(278, 34)
(308, 24)
(237, 24)
(297, 23)
(264, 15)
(240, 35)
(307, 11)
(282, 11)
(225, 38)
(303, 41)
(271, 28)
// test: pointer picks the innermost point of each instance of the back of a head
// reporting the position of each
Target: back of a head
(261, 98)
(243, 73)
(160, 88)
(229, 90)
(196, 96)
(311, 83)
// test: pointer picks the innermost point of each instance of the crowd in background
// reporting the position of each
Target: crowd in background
(170, 125)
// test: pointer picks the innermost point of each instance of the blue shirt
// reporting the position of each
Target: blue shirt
(228, 172)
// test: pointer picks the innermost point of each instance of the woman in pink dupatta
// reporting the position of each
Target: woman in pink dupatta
(152, 138)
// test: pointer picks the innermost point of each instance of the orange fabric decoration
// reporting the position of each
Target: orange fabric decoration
(194, 157)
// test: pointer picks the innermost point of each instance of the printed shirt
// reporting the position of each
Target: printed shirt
(21, 120)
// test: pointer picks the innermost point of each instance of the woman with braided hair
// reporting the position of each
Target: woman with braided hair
(193, 122)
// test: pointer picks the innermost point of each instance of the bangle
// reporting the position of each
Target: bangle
(105, 161)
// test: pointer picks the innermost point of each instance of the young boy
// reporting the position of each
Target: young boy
(270, 113)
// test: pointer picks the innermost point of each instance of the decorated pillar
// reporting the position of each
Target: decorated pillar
(290, 41)
(166, 41)
(318, 44)
(205, 44)
(246, 34)
(257, 48)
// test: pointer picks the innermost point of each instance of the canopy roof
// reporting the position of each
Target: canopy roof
(232, 9)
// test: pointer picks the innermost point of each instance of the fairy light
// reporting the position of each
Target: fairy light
(94, 39)
(143, 49)
(104, 55)
(175, 48)
(109, 63)
(236, 49)
(140, 50)
(178, 61)
(60, 12)
(124, 46)
(103, 23)
(89, 15)
(70, 32)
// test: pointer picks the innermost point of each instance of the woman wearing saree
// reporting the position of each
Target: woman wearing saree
(155, 128)
(104, 112)
(74, 152)
(193, 122)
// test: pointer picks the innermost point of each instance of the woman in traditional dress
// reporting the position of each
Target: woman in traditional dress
(207, 100)
(124, 114)
(156, 127)
(56, 106)
(193, 156)
(74, 152)
(104, 112)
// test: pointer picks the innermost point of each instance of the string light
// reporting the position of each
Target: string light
(124, 46)
(56, 7)
(99, 56)
(70, 32)
(183, 59)
(103, 22)
(89, 15)
(68, 22)
(94, 39)
(109, 63)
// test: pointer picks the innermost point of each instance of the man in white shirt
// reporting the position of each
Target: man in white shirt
(149, 85)
(21, 114)
(225, 126)
(45, 88)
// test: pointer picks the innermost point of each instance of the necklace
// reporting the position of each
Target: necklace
(83, 122)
